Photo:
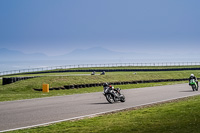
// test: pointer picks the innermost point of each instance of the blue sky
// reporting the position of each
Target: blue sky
(56, 27)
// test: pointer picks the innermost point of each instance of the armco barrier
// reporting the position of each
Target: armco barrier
(113, 83)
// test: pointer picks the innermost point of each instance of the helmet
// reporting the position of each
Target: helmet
(105, 84)
(192, 75)
(111, 86)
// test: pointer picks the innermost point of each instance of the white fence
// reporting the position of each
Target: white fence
(99, 65)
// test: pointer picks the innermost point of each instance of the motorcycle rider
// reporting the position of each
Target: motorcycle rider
(107, 86)
(193, 77)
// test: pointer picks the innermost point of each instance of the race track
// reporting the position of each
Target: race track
(34, 112)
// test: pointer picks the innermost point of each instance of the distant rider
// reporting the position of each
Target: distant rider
(103, 73)
(93, 73)
(193, 77)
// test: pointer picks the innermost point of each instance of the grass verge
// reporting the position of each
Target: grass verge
(176, 117)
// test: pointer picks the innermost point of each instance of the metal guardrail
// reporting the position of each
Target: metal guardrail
(99, 65)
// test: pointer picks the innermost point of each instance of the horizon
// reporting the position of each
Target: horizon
(18, 62)
(97, 50)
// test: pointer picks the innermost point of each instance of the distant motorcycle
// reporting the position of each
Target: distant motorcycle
(113, 95)
(193, 84)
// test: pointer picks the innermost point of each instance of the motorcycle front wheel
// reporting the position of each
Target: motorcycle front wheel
(110, 98)
(122, 98)
(193, 87)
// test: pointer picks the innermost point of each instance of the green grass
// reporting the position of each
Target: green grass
(177, 117)
(24, 89)
(123, 76)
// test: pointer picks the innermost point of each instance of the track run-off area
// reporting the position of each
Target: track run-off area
(29, 113)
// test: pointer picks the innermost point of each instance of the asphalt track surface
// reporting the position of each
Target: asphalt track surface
(36, 112)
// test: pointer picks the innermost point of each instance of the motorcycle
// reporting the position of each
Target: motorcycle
(193, 84)
(113, 95)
